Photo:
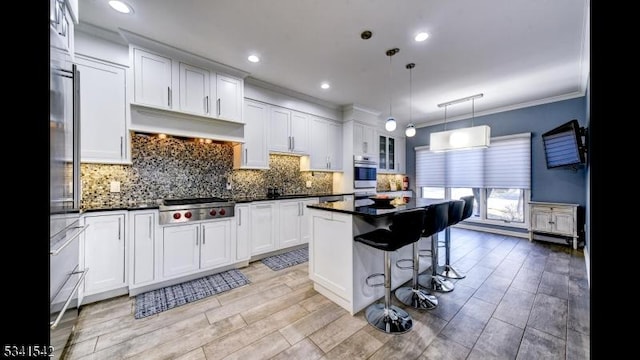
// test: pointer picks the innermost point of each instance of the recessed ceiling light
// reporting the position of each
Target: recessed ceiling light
(120, 6)
(325, 86)
(253, 58)
(422, 36)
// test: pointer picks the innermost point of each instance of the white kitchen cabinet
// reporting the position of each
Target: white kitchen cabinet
(104, 252)
(290, 214)
(215, 247)
(180, 249)
(189, 248)
(194, 90)
(152, 79)
(142, 229)
(363, 139)
(305, 220)
(104, 136)
(62, 17)
(325, 145)
(253, 154)
(264, 226)
(288, 131)
(386, 154)
(243, 232)
(556, 219)
(229, 98)
(401, 159)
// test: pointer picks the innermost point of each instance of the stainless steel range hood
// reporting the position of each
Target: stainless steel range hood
(156, 121)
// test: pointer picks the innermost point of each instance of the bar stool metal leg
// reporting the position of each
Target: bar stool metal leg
(434, 281)
(447, 270)
(386, 317)
(415, 296)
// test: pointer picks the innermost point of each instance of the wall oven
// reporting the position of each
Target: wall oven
(364, 172)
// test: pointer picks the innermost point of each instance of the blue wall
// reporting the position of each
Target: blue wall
(557, 185)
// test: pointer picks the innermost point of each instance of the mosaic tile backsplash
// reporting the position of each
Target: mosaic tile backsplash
(182, 168)
(385, 181)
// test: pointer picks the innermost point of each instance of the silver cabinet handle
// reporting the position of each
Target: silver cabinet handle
(206, 104)
(203, 235)
(293, 143)
(121, 146)
(81, 229)
(239, 217)
(366, 145)
(289, 138)
(119, 229)
(169, 96)
(150, 227)
(246, 156)
(197, 236)
(55, 323)
(219, 107)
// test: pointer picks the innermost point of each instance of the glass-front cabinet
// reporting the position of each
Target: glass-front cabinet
(387, 154)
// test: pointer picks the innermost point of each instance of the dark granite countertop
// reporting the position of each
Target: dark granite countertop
(350, 207)
(155, 204)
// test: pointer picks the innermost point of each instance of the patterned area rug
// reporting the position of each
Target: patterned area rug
(160, 300)
(290, 258)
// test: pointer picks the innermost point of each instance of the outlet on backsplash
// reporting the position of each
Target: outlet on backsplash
(114, 187)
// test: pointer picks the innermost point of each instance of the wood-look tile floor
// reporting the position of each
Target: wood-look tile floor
(520, 300)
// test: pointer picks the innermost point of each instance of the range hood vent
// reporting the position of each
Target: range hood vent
(157, 121)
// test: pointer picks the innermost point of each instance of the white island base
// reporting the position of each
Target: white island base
(338, 265)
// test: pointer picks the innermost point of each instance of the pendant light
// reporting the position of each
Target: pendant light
(466, 138)
(390, 124)
(410, 131)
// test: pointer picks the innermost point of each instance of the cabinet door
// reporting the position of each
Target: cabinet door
(369, 138)
(263, 228)
(229, 102)
(382, 152)
(215, 249)
(243, 232)
(194, 90)
(305, 220)
(255, 153)
(279, 139)
(541, 220)
(102, 112)
(152, 79)
(563, 223)
(401, 166)
(143, 247)
(180, 253)
(318, 151)
(334, 146)
(104, 253)
(299, 133)
(289, 215)
(358, 139)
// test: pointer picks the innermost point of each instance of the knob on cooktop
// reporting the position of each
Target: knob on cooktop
(222, 212)
(212, 212)
(176, 216)
(187, 214)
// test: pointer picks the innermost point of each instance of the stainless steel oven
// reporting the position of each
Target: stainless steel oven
(364, 172)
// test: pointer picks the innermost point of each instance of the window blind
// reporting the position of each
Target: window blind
(505, 164)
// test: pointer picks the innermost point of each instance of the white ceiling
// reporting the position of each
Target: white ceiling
(515, 52)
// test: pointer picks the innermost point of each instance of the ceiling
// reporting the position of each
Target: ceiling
(515, 52)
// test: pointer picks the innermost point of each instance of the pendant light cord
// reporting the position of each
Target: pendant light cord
(410, 86)
(390, 80)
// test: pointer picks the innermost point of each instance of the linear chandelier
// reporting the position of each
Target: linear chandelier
(465, 138)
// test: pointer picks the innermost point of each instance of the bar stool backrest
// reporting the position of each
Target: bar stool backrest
(456, 207)
(468, 206)
(436, 218)
(406, 226)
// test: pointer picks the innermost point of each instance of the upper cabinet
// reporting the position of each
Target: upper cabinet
(325, 146)
(253, 153)
(62, 16)
(152, 79)
(103, 116)
(363, 139)
(391, 154)
(164, 82)
(288, 131)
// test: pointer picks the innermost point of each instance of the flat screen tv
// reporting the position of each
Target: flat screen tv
(563, 146)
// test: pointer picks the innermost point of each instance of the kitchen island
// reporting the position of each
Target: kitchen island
(339, 266)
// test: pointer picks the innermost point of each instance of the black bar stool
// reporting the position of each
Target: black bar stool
(434, 281)
(414, 295)
(405, 229)
(455, 217)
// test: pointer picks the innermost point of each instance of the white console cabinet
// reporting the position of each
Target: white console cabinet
(556, 219)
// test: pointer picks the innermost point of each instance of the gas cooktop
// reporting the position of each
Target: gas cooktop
(194, 209)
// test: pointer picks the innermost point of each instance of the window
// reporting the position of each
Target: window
(498, 177)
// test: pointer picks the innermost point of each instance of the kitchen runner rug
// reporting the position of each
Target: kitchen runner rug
(160, 300)
(290, 258)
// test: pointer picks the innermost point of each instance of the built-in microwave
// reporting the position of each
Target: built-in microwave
(364, 172)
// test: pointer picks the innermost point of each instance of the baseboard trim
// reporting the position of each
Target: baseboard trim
(524, 235)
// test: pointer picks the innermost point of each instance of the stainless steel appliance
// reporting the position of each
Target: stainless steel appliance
(65, 275)
(174, 211)
(364, 172)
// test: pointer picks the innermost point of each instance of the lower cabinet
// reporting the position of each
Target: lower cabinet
(243, 232)
(555, 219)
(142, 230)
(104, 252)
(264, 223)
(295, 223)
(192, 247)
